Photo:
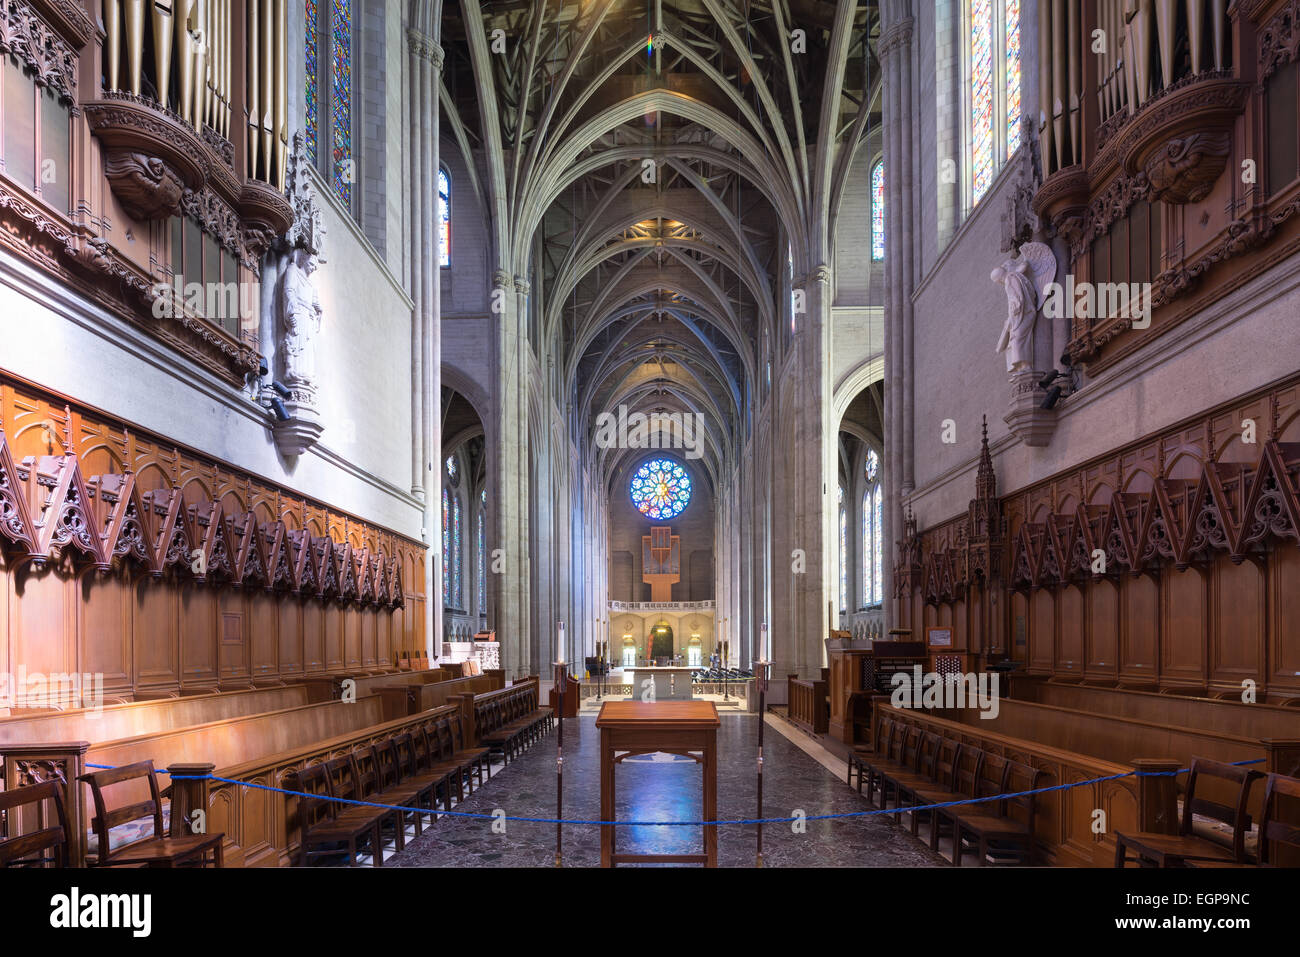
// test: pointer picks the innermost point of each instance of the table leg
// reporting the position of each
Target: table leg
(606, 799)
(711, 799)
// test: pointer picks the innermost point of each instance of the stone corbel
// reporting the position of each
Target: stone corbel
(1026, 417)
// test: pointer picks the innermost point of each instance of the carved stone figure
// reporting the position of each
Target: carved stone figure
(1025, 280)
(300, 313)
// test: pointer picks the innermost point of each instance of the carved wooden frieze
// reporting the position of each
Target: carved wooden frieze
(1279, 40)
(26, 35)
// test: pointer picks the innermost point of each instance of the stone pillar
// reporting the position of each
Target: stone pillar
(511, 478)
(425, 58)
(898, 478)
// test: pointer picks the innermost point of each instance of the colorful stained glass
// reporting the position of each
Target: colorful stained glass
(444, 219)
(456, 590)
(873, 465)
(660, 489)
(981, 95)
(1013, 74)
(446, 548)
(877, 589)
(482, 553)
(341, 97)
(844, 554)
(451, 469)
(878, 211)
(868, 553)
(311, 70)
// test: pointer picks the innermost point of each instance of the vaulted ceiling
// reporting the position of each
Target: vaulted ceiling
(656, 169)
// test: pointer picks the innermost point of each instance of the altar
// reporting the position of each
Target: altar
(670, 683)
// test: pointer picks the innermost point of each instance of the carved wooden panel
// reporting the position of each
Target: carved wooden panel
(125, 555)
(1199, 533)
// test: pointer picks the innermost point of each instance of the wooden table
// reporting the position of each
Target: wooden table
(688, 728)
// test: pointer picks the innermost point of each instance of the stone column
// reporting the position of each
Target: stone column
(898, 478)
(511, 478)
(425, 58)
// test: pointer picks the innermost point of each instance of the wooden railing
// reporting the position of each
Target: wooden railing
(809, 706)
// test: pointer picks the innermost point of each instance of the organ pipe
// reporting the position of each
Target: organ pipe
(1195, 32)
(113, 33)
(282, 92)
(162, 47)
(1046, 138)
(1059, 92)
(252, 85)
(134, 43)
(1076, 81)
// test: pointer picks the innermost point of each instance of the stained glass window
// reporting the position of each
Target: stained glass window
(660, 489)
(341, 96)
(981, 95)
(877, 591)
(873, 533)
(444, 218)
(482, 553)
(1013, 74)
(451, 469)
(446, 548)
(312, 74)
(878, 211)
(327, 72)
(456, 589)
(844, 555)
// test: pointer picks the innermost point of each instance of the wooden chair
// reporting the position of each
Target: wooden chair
(326, 824)
(429, 764)
(907, 763)
(939, 788)
(1175, 850)
(1007, 832)
(474, 760)
(156, 851)
(887, 736)
(965, 785)
(395, 788)
(1271, 827)
(50, 842)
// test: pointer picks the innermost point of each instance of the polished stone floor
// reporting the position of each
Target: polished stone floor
(667, 788)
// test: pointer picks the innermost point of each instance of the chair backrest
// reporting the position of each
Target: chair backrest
(1203, 771)
(912, 743)
(992, 780)
(945, 761)
(383, 757)
(897, 735)
(16, 850)
(966, 769)
(884, 728)
(404, 755)
(457, 737)
(1021, 778)
(1271, 825)
(928, 753)
(446, 746)
(107, 818)
(315, 780)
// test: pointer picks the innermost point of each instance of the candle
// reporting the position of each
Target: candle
(559, 644)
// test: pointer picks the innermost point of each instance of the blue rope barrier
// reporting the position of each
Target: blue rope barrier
(724, 823)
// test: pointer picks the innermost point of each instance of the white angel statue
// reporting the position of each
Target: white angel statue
(1025, 279)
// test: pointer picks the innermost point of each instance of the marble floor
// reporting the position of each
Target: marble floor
(667, 788)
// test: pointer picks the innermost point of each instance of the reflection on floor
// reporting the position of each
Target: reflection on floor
(665, 788)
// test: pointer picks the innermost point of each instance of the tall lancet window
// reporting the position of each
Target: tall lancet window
(481, 570)
(844, 555)
(444, 218)
(878, 211)
(873, 536)
(327, 70)
(993, 82)
(1011, 58)
(446, 547)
